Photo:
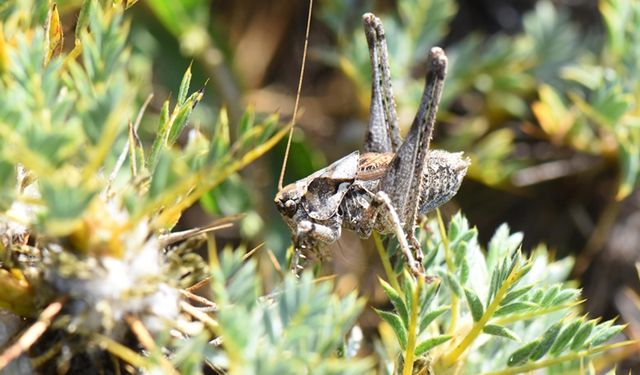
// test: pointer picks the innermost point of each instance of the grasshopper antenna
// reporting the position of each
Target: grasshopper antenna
(295, 106)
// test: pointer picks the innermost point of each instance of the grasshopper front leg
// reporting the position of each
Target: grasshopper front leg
(309, 241)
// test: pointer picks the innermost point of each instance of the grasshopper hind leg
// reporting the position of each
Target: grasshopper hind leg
(407, 241)
(382, 132)
(382, 216)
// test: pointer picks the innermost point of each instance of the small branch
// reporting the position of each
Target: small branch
(171, 238)
(274, 262)
(33, 333)
(252, 251)
(120, 351)
(199, 299)
(199, 284)
(145, 338)
(47, 355)
(451, 357)
(206, 319)
(509, 319)
(125, 150)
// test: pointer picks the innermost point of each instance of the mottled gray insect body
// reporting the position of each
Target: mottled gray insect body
(388, 185)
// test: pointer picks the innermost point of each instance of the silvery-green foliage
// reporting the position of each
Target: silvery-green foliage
(299, 327)
(510, 311)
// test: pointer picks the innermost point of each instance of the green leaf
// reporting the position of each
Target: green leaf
(163, 176)
(515, 294)
(7, 184)
(475, 305)
(453, 283)
(565, 337)
(502, 245)
(65, 202)
(430, 258)
(246, 121)
(497, 330)
(546, 341)
(521, 356)
(396, 324)
(537, 296)
(550, 295)
(582, 335)
(221, 140)
(160, 140)
(396, 300)
(429, 294)
(430, 343)
(431, 316)
(179, 123)
(629, 155)
(565, 295)
(605, 335)
(184, 86)
(515, 307)
(464, 271)
(408, 286)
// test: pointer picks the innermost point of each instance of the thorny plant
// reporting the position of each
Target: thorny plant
(88, 205)
(93, 280)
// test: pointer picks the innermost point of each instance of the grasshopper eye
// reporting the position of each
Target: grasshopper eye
(290, 207)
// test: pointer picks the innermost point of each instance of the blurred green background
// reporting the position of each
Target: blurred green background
(542, 96)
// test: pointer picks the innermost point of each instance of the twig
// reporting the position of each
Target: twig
(144, 337)
(120, 351)
(295, 106)
(206, 319)
(199, 284)
(274, 261)
(252, 251)
(33, 333)
(198, 299)
(125, 150)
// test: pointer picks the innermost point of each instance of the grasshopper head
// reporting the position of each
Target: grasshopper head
(288, 201)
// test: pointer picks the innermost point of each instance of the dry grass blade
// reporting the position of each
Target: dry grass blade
(33, 333)
(145, 338)
(174, 237)
(199, 299)
(274, 261)
(199, 284)
(295, 106)
(193, 311)
(252, 251)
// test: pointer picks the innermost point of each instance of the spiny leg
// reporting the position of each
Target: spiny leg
(381, 208)
(403, 180)
(309, 241)
(414, 264)
(382, 133)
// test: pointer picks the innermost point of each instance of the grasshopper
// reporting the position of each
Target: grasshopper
(385, 186)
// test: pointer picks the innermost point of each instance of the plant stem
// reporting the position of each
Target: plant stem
(413, 328)
(556, 360)
(121, 351)
(534, 314)
(386, 264)
(451, 357)
(455, 302)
